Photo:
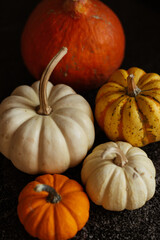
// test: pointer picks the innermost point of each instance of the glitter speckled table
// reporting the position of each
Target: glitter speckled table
(141, 22)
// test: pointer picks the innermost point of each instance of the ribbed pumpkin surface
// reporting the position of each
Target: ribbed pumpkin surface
(89, 29)
(135, 119)
(53, 221)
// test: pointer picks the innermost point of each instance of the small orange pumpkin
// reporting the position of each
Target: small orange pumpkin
(128, 107)
(53, 207)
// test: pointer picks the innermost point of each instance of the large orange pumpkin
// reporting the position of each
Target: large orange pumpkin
(53, 207)
(128, 107)
(89, 29)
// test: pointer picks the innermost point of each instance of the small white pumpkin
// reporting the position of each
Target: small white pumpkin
(118, 176)
(46, 128)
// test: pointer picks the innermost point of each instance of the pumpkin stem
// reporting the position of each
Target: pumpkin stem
(132, 89)
(120, 159)
(76, 6)
(53, 196)
(44, 108)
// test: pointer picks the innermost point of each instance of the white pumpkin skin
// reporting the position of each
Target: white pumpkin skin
(114, 187)
(52, 143)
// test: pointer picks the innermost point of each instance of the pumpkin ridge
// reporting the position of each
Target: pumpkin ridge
(150, 82)
(92, 159)
(58, 90)
(81, 101)
(96, 158)
(78, 125)
(114, 85)
(120, 126)
(56, 217)
(55, 220)
(140, 154)
(53, 227)
(30, 186)
(111, 176)
(40, 149)
(72, 214)
(36, 197)
(108, 184)
(17, 99)
(20, 91)
(63, 138)
(116, 174)
(44, 207)
(141, 82)
(60, 189)
(62, 98)
(121, 85)
(32, 199)
(100, 119)
(150, 137)
(143, 120)
(56, 187)
(145, 172)
(135, 173)
(151, 98)
(96, 169)
(109, 93)
(71, 192)
(15, 132)
(41, 180)
(68, 108)
(151, 90)
(91, 171)
(108, 88)
(22, 108)
(60, 136)
(50, 92)
(127, 186)
(54, 182)
(144, 159)
(66, 182)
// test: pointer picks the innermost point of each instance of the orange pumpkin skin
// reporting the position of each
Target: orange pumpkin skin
(89, 29)
(127, 116)
(53, 221)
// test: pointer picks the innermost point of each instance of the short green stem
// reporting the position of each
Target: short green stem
(53, 196)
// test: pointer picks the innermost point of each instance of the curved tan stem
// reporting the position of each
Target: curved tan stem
(120, 160)
(132, 89)
(44, 108)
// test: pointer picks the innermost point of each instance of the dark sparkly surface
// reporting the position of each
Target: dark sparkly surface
(141, 22)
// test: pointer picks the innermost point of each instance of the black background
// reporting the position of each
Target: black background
(141, 23)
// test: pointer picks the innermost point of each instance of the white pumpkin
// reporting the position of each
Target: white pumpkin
(46, 128)
(118, 176)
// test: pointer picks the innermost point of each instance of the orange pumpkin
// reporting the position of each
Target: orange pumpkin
(89, 29)
(53, 207)
(128, 107)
